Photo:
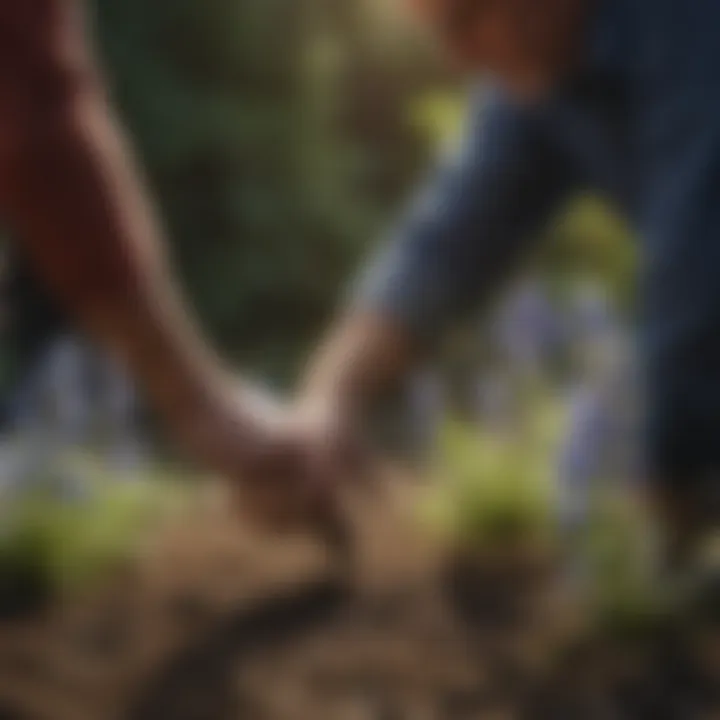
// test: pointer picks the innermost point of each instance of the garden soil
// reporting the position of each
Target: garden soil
(216, 623)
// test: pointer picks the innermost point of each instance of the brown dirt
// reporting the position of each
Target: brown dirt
(216, 624)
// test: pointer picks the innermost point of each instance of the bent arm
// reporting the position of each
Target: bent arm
(450, 254)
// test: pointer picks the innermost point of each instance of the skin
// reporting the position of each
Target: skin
(74, 200)
(529, 46)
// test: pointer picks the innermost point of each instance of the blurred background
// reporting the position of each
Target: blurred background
(280, 140)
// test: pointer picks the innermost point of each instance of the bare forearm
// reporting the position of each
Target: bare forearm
(362, 356)
(74, 201)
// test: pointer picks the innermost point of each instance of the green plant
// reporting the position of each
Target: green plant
(494, 493)
(49, 544)
(626, 600)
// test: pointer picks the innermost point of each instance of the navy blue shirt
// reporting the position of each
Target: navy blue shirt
(640, 122)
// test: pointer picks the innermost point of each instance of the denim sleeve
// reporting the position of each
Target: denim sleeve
(463, 235)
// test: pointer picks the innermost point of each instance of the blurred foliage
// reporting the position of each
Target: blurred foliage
(51, 544)
(495, 496)
(489, 496)
(276, 138)
(592, 240)
(626, 598)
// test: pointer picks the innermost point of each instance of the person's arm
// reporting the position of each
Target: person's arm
(457, 245)
(72, 198)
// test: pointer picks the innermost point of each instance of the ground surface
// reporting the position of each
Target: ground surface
(214, 624)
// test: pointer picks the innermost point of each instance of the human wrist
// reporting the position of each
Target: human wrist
(182, 379)
(332, 394)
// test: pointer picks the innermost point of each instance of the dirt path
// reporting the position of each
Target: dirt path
(215, 625)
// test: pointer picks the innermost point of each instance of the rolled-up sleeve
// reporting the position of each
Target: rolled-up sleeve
(464, 233)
